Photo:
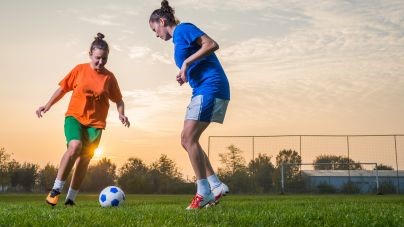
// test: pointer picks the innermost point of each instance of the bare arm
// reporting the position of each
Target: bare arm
(208, 46)
(57, 95)
(120, 106)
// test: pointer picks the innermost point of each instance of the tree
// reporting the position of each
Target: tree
(384, 167)
(134, 177)
(23, 177)
(234, 172)
(47, 177)
(232, 160)
(99, 176)
(262, 171)
(165, 175)
(166, 167)
(334, 162)
(290, 161)
(4, 173)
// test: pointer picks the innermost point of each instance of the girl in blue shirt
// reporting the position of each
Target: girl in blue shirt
(199, 66)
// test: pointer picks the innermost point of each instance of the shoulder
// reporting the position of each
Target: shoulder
(109, 74)
(186, 31)
(186, 26)
(81, 66)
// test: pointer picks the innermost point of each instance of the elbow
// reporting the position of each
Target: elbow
(215, 46)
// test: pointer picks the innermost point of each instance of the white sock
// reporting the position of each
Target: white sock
(214, 181)
(71, 194)
(203, 188)
(58, 185)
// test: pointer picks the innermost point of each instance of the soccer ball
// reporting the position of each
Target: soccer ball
(111, 196)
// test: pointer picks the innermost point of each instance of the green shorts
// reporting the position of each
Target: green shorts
(89, 137)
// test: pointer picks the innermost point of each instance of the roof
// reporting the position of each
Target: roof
(352, 173)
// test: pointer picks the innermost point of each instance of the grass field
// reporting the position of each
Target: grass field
(234, 210)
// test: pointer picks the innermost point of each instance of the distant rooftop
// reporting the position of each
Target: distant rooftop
(353, 173)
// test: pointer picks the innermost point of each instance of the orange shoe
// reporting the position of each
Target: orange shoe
(53, 197)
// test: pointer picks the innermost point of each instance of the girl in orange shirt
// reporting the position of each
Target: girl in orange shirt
(92, 86)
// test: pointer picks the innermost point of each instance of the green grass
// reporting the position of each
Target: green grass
(234, 210)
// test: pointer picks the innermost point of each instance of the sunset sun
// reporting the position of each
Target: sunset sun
(98, 152)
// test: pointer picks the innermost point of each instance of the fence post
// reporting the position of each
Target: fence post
(349, 163)
(282, 180)
(377, 181)
(398, 177)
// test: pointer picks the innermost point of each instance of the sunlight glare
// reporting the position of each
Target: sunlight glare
(98, 152)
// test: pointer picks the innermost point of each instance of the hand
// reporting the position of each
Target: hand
(41, 110)
(124, 120)
(182, 75)
(179, 80)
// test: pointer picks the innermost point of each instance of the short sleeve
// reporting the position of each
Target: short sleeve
(69, 81)
(190, 33)
(115, 94)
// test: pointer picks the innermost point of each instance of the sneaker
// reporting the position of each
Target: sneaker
(220, 191)
(53, 197)
(200, 201)
(69, 202)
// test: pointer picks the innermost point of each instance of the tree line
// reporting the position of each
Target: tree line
(162, 176)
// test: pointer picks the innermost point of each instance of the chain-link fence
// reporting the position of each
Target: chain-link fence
(386, 151)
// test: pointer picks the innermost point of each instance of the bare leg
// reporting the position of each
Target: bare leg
(80, 172)
(208, 167)
(68, 159)
(190, 141)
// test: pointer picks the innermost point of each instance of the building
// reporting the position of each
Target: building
(363, 181)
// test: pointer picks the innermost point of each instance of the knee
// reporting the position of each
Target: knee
(85, 158)
(87, 153)
(74, 148)
(186, 141)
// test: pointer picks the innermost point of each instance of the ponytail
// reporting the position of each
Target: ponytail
(166, 12)
(99, 43)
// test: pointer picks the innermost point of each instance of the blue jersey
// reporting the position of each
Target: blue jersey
(206, 76)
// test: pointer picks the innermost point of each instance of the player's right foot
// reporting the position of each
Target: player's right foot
(200, 201)
(220, 191)
(53, 197)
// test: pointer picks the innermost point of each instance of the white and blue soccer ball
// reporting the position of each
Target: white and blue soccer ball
(111, 196)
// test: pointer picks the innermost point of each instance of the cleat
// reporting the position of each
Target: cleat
(220, 191)
(53, 197)
(200, 201)
(69, 202)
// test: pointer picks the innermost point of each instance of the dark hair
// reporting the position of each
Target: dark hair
(164, 12)
(99, 43)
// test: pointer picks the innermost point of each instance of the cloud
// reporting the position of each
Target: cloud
(162, 58)
(213, 5)
(102, 20)
(117, 47)
(138, 52)
(333, 32)
(155, 108)
(345, 57)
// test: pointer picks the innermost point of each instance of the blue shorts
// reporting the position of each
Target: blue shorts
(206, 108)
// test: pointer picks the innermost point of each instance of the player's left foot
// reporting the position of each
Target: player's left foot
(220, 191)
(69, 202)
(200, 201)
(53, 197)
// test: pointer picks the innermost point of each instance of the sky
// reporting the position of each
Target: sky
(295, 67)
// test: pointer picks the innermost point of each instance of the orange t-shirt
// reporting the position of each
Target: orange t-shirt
(92, 91)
